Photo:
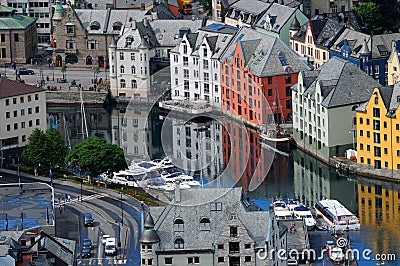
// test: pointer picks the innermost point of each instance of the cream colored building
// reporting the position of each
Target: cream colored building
(23, 109)
(394, 65)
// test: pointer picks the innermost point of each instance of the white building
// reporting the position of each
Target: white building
(195, 66)
(141, 51)
(23, 109)
(324, 102)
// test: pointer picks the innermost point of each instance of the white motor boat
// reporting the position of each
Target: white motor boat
(336, 215)
(336, 254)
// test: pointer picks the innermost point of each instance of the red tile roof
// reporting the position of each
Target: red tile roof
(10, 88)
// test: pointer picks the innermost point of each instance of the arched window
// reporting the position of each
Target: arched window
(123, 83)
(134, 83)
(122, 69)
(215, 76)
(376, 100)
(204, 224)
(133, 70)
(89, 60)
(178, 225)
(179, 243)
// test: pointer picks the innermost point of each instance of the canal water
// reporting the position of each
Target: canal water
(221, 152)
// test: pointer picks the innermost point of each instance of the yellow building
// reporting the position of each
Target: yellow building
(394, 66)
(378, 129)
(379, 211)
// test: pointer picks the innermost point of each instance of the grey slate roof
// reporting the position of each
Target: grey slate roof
(264, 60)
(132, 4)
(195, 204)
(167, 32)
(253, 7)
(280, 14)
(342, 83)
(395, 100)
(325, 31)
(349, 18)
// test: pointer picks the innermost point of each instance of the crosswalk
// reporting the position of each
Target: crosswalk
(78, 199)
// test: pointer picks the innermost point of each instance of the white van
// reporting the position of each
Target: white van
(110, 247)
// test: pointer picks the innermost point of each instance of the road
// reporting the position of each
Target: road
(105, 207)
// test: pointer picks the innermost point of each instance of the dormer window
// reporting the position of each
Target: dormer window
(95, 25)
(70, 29)
(178, 225)
(205, 51)
(117, 25)
(128, 41)
(205, 224)
(179, 243)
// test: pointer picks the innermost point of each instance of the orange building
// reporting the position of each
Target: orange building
(257, 72)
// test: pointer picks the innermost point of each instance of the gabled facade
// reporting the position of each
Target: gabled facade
(256, 75)
(315, 7)
(83, 36)
(369, 53)
(324, 101)
(278, 19)
(314, 38)
(378, 129)
(195, 65)
(210, 226)
(141, 51)
(394, 64)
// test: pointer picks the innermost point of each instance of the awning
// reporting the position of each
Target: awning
(69, 24)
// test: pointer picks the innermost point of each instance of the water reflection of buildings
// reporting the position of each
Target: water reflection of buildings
(255, 168)
(379, 210)
(136, 130)
(196, 146)
(314, 181)
(68, 121)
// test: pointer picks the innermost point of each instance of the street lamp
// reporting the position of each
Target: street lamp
(80, 178)
(122, 209)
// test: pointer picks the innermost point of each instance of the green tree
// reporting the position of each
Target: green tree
(64, 70)
(45, 147)
(207, 5)
(370, 16)
(95, 156)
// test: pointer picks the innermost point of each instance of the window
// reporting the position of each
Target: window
(186, 73)
(221, 259)
(22, 124)
(368, 134)
(367, 122)
(205, 224)
(220, 246)
(70, 29)
(193, 260)
(14, 100)
(7, 101)
(179, 243)
(8, 115)
(133, 70)
(288, 92)
(149, 261)
(205, 63)
(185, 61)
(123, 83)
(288, 79)
(30, 123)
(361, 120)
(168, 261)
(3, 37)
(133, 84)
(216, 206)
(122, 69)
(361, 133)
(38, 122)
(121, 56)
(178, 225)
(8, 127)
(21, 99)
(234, 247)
(377, 151)
(205, 52)
(185, 50)
(15, 113)
(247, 246)
(3, 53)
(92, 45)
(377, 125)
(377, 138)
(376, 112)
(247, 258)
(206, 77)
(186, 84)
(233, 231)
(15, 126)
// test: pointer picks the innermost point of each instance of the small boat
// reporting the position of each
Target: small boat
(336, 254)
(304, 213)
(281, 210)
(292, 210)
(278, 139)
(336, 215)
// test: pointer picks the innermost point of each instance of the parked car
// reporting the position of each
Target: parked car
(88, 220)
(25, 71)
(87, 242)
(104, 239)
(86, 252)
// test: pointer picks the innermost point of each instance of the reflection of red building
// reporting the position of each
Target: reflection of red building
(257, 73)
(246, 160)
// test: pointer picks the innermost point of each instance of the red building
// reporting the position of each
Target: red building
(257, 72)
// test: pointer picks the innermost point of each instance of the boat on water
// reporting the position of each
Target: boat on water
(292, 210)
(336, 216)
(336, 254)
(277, 138)
(129, 178)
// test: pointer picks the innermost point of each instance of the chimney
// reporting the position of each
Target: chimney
(177, 190)
(133, 24)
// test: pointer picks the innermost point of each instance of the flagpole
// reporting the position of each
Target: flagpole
(19, 173)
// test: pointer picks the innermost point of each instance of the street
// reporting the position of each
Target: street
(107, 211)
